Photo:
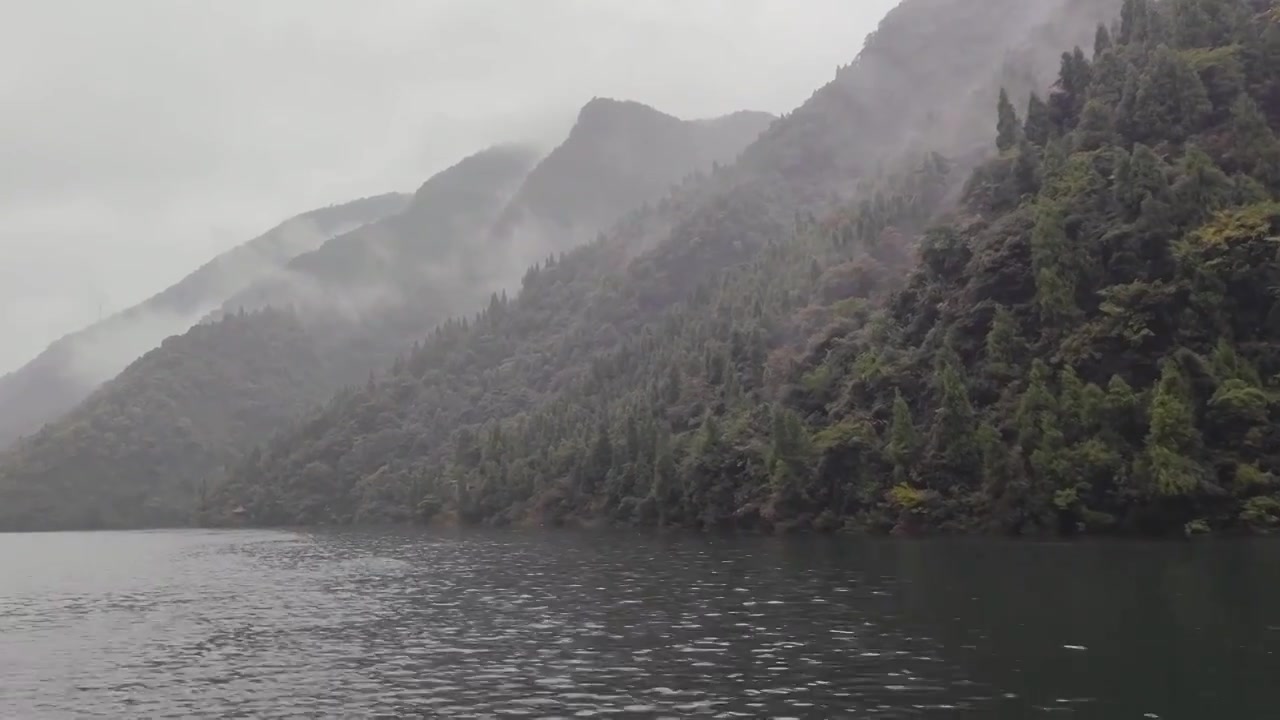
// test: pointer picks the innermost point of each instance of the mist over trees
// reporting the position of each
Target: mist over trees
(74, 366)
(1012, 271)
(144, 447)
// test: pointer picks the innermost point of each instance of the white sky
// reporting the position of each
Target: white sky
(139, 138)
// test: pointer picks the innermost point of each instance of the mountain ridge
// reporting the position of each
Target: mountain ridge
(441, 417)
(71, 367)
(331, 349)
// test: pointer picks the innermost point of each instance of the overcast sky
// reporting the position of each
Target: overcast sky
(139, 138)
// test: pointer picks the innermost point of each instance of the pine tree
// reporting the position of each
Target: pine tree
(1254, 148)
(952, 442)
(1003, 345)
(1071, 90)
(600, 460)
(1096, 127)
(1073, 413)
(1053, 266)
(1171, 101)
(1006, 123)
(1201, 189)
(1135, 22)
(903, 442)
(1036, 408)
(1026, 168)
(995, 459)
(1101, 41)
(1172, 440)
(1038, 125)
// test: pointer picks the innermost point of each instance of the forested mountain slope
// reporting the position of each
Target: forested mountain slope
(566, 401)
(345, 309)
(1089, 343)
(66, 372)
(140, 449)
(148, 439)
(1093, 346)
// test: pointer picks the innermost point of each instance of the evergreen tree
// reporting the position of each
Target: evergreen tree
(1036, 408)
(1255, 150)
(1135, 22)
(1003, 345)
(1053, 265)
(1173, 440)
(1038, 125)
(1101, 41)
(1171, 101)
(953, 445)
(903, 442)
(1006, 123)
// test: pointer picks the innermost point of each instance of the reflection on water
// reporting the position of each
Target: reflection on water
(266, 624)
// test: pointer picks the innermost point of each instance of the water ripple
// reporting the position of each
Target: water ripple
(276, 625)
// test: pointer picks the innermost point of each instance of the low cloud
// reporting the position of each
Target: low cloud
(140, 139)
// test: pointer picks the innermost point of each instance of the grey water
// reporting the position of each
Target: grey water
(573, 624)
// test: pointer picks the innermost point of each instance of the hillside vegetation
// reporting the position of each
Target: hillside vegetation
(74, 366)
(684, 385)
(139, 451)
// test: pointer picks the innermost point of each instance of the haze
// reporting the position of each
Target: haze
(141, 138)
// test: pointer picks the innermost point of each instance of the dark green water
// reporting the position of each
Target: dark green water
(563, 624)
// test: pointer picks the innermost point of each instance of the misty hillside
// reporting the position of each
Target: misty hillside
(586, 396)
(911, 89)
(66, 372)
(125, 457)
(1078, 334)
(618, 156)
(362, 270)
(356, 301)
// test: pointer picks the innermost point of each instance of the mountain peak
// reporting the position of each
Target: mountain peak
(607, 115)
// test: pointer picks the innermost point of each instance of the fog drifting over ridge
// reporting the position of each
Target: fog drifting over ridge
(141, 138)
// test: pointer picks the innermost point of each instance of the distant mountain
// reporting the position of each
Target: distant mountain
(640, 384)
(66, 372)
(913, 89)
(352, 304)
(373, 266)
(619, 156)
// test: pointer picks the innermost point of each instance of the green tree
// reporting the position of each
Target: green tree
(1006, 123)
(1254, 148)
(1101, 41)
(953, 445)
(1054, 266)
(1003, 344)
(1036, 408)
(1172, 441)
(1171, 101)
(1038, 125)
(903, 441)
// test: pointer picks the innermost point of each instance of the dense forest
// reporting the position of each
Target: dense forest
(139, 451)
(71, 368)
(146, 455)
(1014, 270)
(715, 380)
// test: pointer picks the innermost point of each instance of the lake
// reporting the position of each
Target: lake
(619, 624)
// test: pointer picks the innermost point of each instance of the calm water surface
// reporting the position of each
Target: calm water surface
(563, 624)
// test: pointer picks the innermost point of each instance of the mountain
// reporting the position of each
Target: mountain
(344, 309)
(619, 156)
(364, 270)
(138, 450)
(142, 446)
(70, 369)
(600, 390)
(1084, 339)
(1092, 345)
